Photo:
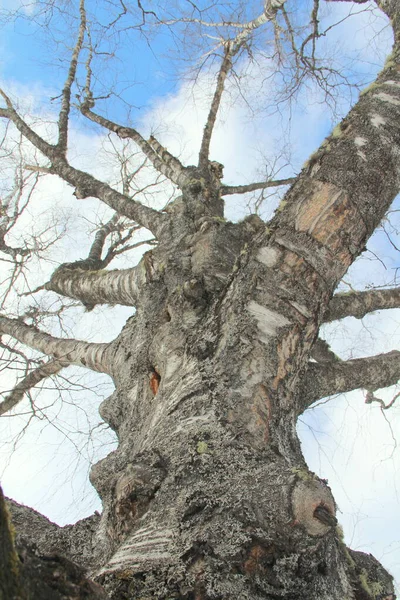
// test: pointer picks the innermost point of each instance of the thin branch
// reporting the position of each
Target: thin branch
(66, 93)
(52, 367)
(370, 398)
(215, 104)
(327, 379)
(251, 187)
(90, 355)
(358, 304)
(97, 247)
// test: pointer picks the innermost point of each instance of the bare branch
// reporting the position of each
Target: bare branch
(96, 248)
(66, 93)
(52, 367)
(358, 304)
(231, 48)
(35, 139)
(161, 159)
(371, 373)
(251, 187)
(370, 398)
(90, 355)
(98, 287)
(85, 184)
(216, 101)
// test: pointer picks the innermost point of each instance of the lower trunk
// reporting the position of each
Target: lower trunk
(208, 495)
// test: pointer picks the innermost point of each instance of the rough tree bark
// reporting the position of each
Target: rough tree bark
(208, 495)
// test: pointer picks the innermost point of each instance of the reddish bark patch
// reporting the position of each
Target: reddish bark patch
(259, 559)
(330, 218)
(254, 415)
(261, 413)
(155, 379)
(286, 351)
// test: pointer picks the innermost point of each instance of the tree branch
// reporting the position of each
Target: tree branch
(161, 159)
(98, 287)
(66, 93)
(85, 184)
(52, 367)
(358, 304)
(35, 139)
(371, 373)
(216, 101)
(251, 187)
(92, 356)
(96, 249)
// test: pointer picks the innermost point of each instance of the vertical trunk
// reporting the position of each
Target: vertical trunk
(208, 494)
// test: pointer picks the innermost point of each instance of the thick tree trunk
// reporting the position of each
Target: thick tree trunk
(208, 494)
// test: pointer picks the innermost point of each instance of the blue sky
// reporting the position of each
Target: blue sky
(165, 100)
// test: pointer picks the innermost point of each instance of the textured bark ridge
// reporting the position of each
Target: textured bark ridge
(208, 495)
(36, 569)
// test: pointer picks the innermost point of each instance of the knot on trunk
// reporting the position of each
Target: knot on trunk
(313, 506)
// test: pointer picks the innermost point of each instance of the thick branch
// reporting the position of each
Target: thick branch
(99, 287)
(251, 187)
(92, 356)
(372, 373)
(86, 185)
(358, 304)
(346, 187)
(161, 159)
(50, 368)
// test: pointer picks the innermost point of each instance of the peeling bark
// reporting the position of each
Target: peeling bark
(98, 287)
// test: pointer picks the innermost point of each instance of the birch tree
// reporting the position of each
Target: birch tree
(208, 495)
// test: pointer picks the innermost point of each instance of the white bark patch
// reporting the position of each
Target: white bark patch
(387, 98)
(268, 321)
(145, 545)
(394, 83)
(301, 308)
(174, 362)
(360, 142)
(377, 120)
(362, 155)
(186, 424)
(268, 256)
